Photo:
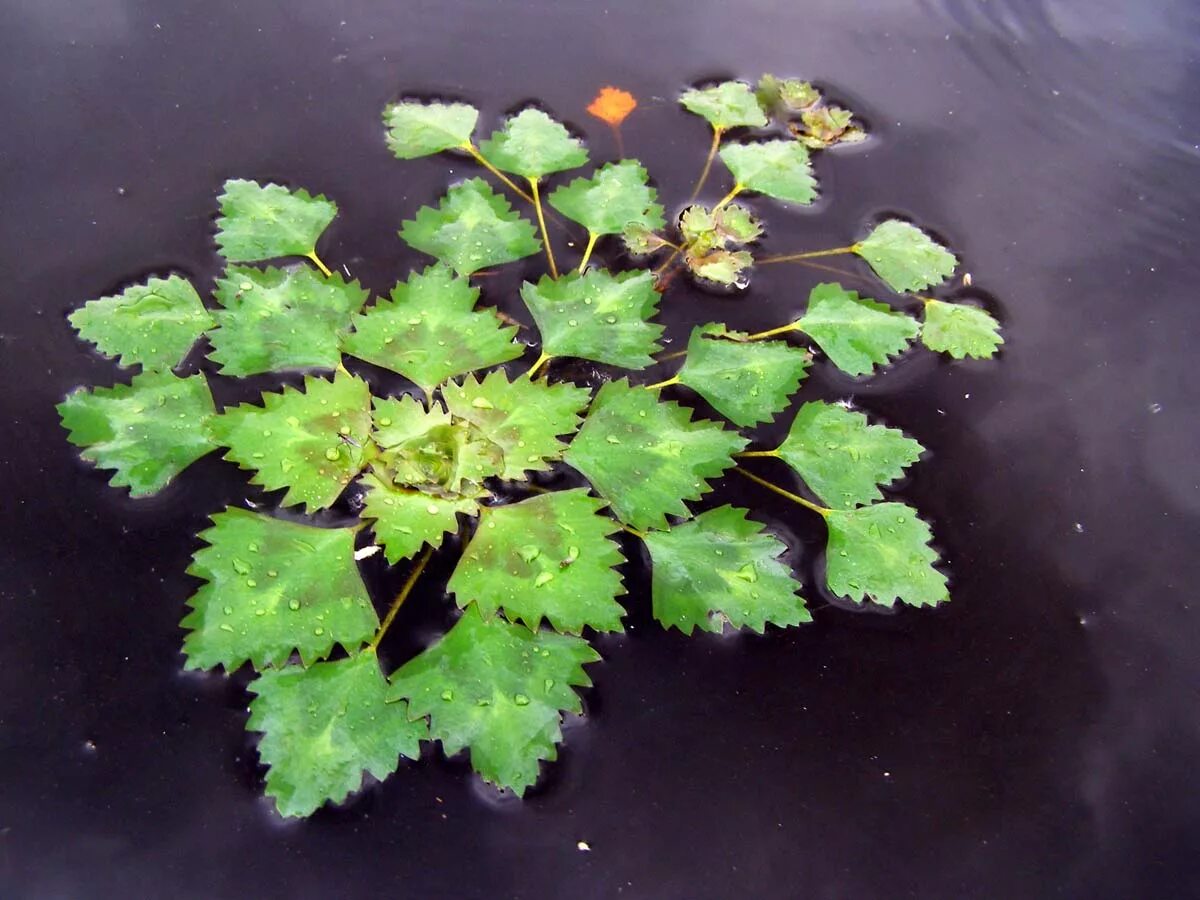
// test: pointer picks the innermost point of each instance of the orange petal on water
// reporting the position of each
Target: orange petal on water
(612, 105)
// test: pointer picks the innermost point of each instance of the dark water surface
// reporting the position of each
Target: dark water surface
(1037, 737)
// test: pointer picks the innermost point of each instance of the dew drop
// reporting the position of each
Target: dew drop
(521, 700)
(293, 604)
(228, 610)
(241, 567)
(482, 403)
(332, 453)
(318, 631)
(447, 695)
(227, 627)
(385, 422)
(543, 579)
(432, 509)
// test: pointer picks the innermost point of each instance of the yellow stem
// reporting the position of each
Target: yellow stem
(737, 189)
(708, 161)
(771, 332)
(813, 254)
(509, 183)
(320, 265)
(753, 453)
(795, 498)
(663, 384)
(537, 205)
(587, 253)
(670, 259)
(634, 531)
(405, 590)
(541, 361)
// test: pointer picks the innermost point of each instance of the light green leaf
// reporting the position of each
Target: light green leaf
(417, 129)
(785, 95)
(524, 417)
(722, 266)
(532, 144)
(430, 330)
(471, 229)
(312, 443)
(779, 169)
(705, 230)
(960, 330)
(641, 241)
(735, 224)
(842, 457)
(499, 690)
(597, 316)
(274, 587)
(855, 332)
(645, 457)
(905, 257)
(154, 324)
(266, 221)
(148, 431)
(826, 126)
(405, 520)
(882, 553)
(616, 197)
(726, 105)
(278, 319)
(721, 566)
(747, 382)
(549, 556)
(324, 726)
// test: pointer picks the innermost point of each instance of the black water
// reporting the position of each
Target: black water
(1035, 738)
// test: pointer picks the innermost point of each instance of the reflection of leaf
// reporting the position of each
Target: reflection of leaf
(960, 330)
(499, 690)
(612, 105)
(779, 169)
(405, 520)
(532, 144)
(324, 726)
(471, 229)
(726, 105)
(271, 588)
(842, 457)
(420, 129)
(721, 566)
(154, 324)
(905, 257)
(855, 332)
(882, 553)
(617, 195)
(260, 221)
(597, 316)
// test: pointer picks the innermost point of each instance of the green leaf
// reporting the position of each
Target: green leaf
(777, 95)
(524, 417)
(274, 587)
(645, 457)
(405, 520)
(154, 324)
(597, 316)
(616, 197)
(826, 126)
(735, 224)
(312, 442)
(747, 382)
(857, 333)
(430, 330)
(549, 556)
(726, 105)
(779, 169)
(472, 228)
(842, 457)
(721, 566)
(722, 266)
(266, 221)
(326, 725)
(705, 230)
(417, 129)
(641, 241)
(278, 319)
(882, 553)
(905, 257)
(532, 144)
(148, 431)
(499, 690)
(960, 330)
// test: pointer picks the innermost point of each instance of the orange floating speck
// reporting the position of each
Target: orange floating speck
(612, 105)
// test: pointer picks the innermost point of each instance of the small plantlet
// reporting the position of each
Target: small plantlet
(462, 450)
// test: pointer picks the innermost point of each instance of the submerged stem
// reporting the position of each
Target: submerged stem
(670, 259)
(812, 254)
(708, 161)
(320, 265)
(795, 498)
(537, 205)
(616, 130)
(587, 253)
(405, 590)
(512, 185)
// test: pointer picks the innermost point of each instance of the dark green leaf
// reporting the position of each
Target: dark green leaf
(960, 330)
(267, 221)
(905, 257)
(405, 520)
(616, 197)
(421, 129)
(855, 332)
(882, 553)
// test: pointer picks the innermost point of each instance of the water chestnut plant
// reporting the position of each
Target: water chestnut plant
(481, 445)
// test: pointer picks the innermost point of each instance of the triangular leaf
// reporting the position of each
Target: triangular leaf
(154, 324)
(274, 587)
(471, 229)
(617, 196)
(417, 129)
(548, 556)
(747, 382)
(524, 417)
(726, 105)
(905, 257)
(405, 520)
(855, 332)
(312, 442)
(597, 316)
(148, 431)
(645, 456)
(324, 726)
(278, 319)
(260, 221)
(721, 566)
(882, 553)
(532, 144)
(960, 330)
(842, 457)
(499, 690)
(779, 169)
(430, 330)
